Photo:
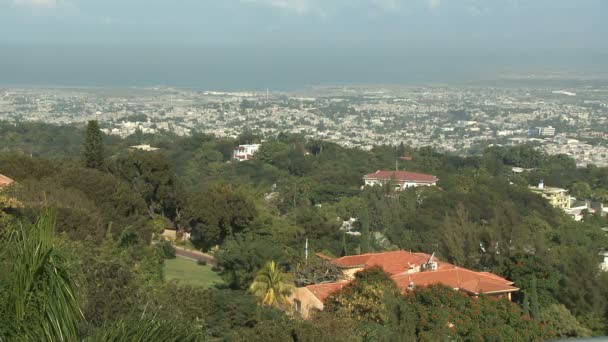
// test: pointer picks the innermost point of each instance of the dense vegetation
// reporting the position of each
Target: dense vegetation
(481, 215)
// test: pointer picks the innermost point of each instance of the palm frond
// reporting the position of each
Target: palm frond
(42, 297)
(145, 329)
(270, 286)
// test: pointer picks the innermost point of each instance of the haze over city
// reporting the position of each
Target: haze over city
(254, 44)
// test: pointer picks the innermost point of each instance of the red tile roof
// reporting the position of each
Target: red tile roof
(323, 256)
(402, 176)
(394, 262)
(4, 181)
(322, 291)
(457, 278)
(401, 265)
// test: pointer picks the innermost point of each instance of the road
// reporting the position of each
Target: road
(195, 255)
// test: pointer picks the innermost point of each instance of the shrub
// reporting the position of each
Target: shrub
(166, 249)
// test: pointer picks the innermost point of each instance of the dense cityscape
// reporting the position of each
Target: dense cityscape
(457, 120)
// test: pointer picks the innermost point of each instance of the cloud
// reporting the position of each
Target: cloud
(434, 4)
(298, 6)
(387, 5)
(35, 3)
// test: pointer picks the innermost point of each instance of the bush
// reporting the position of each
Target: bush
(166, 249)
(201, 262)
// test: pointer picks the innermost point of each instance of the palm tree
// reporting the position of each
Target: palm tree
(39, 298)
(270, 286)
(41, 302)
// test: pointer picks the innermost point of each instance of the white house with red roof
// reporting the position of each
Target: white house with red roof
(401, 179)
(409, 271)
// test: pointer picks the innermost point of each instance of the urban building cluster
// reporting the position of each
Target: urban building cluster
(459, 120)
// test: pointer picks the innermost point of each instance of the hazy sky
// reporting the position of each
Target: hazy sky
(249, 43)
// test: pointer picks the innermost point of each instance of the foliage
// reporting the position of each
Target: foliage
(92, 154)
(564, 325)
(271, 286)
(42, 297)
(146, 329)
(217, 213)
(240, 258)
(150, 174)
(481, 216)
(166, 249)
(365, 297)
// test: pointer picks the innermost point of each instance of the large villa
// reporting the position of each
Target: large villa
(408, 270)
(400, 179)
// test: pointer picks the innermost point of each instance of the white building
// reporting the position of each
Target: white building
(245, 152)
(546, 131)
(401, 179)
(146, 148)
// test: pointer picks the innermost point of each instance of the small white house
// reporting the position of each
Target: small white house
(245, 152)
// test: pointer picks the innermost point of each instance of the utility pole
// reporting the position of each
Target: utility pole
(306, 251)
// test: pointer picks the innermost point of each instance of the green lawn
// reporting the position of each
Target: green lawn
(189, 272)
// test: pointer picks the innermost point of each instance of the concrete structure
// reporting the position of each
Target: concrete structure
(546, 131)
(245, 152)
(604, 264)
(408, 270)
(308, 299)
(558, 197)
(146, 148)
(400, 179)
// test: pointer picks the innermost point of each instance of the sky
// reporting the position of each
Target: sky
(244, 44)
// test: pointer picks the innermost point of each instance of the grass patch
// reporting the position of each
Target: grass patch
(187, 272)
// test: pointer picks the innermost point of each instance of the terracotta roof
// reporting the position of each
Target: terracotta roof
(323, 256)
(402, 176)
(4, 181)
(353, 260)
(497, 277)
(394, 262)
(398, 263)
(322, 291)
(457, 278)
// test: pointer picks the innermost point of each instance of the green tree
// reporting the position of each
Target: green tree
(534, 305)
(270, 286)
(150, 175)
(241, 256)
(92, 155)
(562, 322)
(366, 297)
(217, 213)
